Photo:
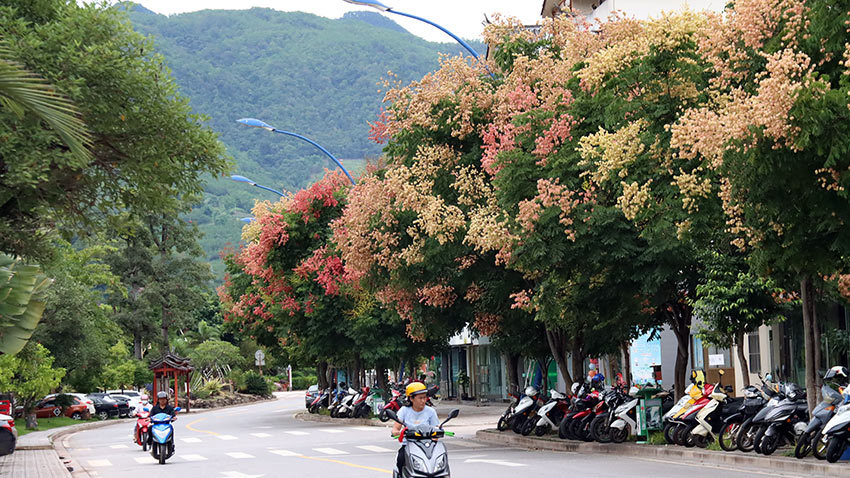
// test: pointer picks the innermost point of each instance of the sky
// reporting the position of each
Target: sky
(461, 17)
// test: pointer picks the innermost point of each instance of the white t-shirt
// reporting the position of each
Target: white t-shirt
(412, 418)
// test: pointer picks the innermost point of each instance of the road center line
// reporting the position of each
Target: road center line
(189, 427)
(353, 465)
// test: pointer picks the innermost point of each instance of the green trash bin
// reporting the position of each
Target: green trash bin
(648, 413)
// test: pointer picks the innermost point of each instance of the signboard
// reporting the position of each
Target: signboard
(259, 358)
(645, 353)
(716, 360)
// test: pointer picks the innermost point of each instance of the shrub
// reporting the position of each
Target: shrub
(256, 384)
(303, 382)
(200, 393)
(237, 378)
(212, 388)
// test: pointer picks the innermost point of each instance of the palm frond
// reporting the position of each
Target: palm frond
(22, 288)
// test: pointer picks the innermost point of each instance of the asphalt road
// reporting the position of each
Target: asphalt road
(264, 440)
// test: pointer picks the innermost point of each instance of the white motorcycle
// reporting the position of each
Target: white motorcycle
(524, 409)
(551, 413)
(626, 421)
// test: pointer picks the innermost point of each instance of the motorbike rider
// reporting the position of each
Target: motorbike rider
(143, 403)
(416, 414)
(162, 405)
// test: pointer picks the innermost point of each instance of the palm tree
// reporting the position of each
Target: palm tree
(23, 92)
(22, 289)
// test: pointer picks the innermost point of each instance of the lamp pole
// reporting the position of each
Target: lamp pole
(380, 6)
(262, 124)
(243, 179)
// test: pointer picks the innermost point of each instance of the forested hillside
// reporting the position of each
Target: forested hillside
(299, 72)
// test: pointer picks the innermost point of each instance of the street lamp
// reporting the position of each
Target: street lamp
(262, 124)
(243, 179)
(380, 6)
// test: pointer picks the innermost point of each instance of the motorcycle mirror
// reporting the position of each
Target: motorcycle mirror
(177, 409)
(392, 415)
(452, 414)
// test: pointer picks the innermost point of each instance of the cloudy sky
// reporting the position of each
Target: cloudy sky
(461, 17)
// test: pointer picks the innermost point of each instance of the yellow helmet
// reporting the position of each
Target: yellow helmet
(414, 388)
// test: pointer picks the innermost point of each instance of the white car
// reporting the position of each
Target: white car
(83, 398)
(134, 399)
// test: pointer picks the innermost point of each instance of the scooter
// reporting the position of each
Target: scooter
(346, 404)
(732, 424)
(710, 419)
(784, 422)
(425, 455)
(321, 400)
(524, 409)
(162, 434)
(362, 404)
(394, 404)
(836, 433)
(551, 413)
(626, 420)
(751, 426)
(810, 441)
(143, 423)
(600, 426)
(505, 420)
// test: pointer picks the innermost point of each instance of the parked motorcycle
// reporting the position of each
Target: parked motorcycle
(784, 422)
(745, 410)
(836, 432)
(687, 420)
(711, 418)
(551, 413)
(505, 420)
(394, 404)
(810, 441)
(162, 436)
(322, 400)
(524, 409)
(362, 404)
(425, 454)
(750, 427)
(693, 392)
(626, 418)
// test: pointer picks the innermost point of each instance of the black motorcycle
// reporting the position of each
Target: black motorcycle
(753, 402)
(784, 422)
(810, 441)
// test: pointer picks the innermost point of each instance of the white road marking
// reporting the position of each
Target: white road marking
(330, 451)
(330, 430)
(239, 455)
(376, 449)
(191, 440)
(116, 447)
(284, 453)
(192, 457)
(226, 437)
(146, 459)
(466, 444)
(238, 474)
(493, 462)
(297, 433)
(261, 435)
(97, 463)
(262, 427)
(365, 428)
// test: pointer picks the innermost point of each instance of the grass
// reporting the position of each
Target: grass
(48, 424)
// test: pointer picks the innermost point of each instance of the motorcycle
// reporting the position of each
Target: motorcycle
(749, 428)
(732, 424)
(524, 409)
(600, 426)
(551, 413)
(687, 420)
(693, 392)
(836, 433)
(505, 420)
(142, 433)
(626, 420)
(362, 404)
(582, 406)
(162, 436)
(810, 441)
(394, 404)
(424, 455)
(321, 400)
(784, 422)
(711, 418)
(346, 404)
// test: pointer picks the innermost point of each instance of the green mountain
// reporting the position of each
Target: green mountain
(303, 73)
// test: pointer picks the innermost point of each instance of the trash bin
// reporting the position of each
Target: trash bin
(648, 413)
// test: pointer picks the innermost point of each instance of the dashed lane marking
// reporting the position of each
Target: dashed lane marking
(191, 440)
(192, 457)
(117, 447)
(239, 455)
(373, 448)
(330, 451)
(330, 430)
(365, 428)
(99, 463)
(296, 433)
(284, 453)
(145, 459)
(261, 435)
(226, 437)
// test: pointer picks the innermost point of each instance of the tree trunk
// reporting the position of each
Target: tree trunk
(544, 369)
(137, 346)
(166, 322)
(512, 363)
(558, 346)
(577, 358)
(742, 357)
(381, 377)
(321, 371)
(32, 423)
(626, 354)
(806, 293)
(679, 318)
(818, 345)
(356, 375)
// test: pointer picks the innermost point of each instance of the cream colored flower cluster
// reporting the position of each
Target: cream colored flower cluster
(607, 155)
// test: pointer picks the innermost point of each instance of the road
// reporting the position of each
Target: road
(265, 440)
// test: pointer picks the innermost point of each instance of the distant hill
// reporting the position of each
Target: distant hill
(299, 72)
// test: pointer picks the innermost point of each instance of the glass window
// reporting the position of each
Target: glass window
(754, 356)
(715, 351)
(697, 357)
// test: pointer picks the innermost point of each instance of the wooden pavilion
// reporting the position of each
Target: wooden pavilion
(166, 371)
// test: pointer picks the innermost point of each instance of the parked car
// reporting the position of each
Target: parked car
(311, 395)
(47, 408)
(123, 405)
(8, 435)
(134, 402)
(104, 409)
(83, 398)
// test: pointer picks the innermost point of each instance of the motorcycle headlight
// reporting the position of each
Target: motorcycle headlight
(418, 464)
(441, 463)
(161, 433)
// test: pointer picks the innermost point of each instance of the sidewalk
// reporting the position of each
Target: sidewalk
(809, 466)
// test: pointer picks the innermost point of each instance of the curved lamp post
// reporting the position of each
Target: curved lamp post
(262, 124)
(243, 179)
(380, 6)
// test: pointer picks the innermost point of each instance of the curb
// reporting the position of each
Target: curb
(51, 437)
(313, 417)
(692, 456)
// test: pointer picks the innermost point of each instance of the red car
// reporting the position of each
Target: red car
(8, 435)
(47, 409)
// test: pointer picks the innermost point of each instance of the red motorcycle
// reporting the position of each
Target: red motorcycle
(394, 404)
(361, 404)
(143, 423)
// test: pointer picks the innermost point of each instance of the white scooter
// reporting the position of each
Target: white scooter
(524, 409)
(707, 415)
(550, 416)
(626, 420)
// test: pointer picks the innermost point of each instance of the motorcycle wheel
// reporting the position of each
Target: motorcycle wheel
(728, 438)
(564, 429)
(541, 430)
(818, 446)
(528, 426)
(835, 449)
(688, 438)
(701, 441)
(619, 435)
(518, 423)
(804, 446)
(144, 438)
(668, 433)
(745, 436)
(575, 433)
(757, 439)
(384, 418)
(501, 425)
(599, 429)
(161, 453)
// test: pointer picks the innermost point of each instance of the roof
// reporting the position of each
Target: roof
(169, 360)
